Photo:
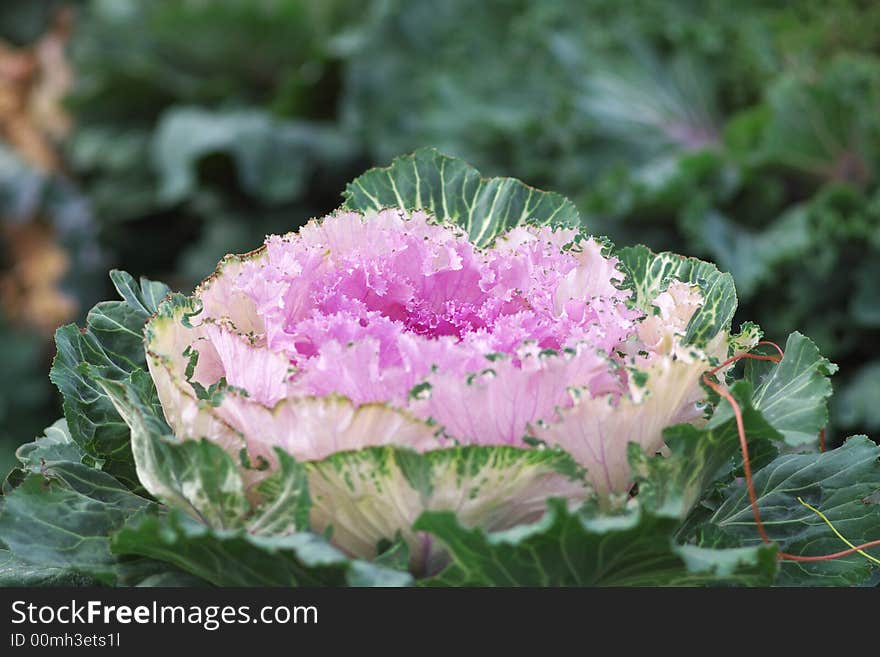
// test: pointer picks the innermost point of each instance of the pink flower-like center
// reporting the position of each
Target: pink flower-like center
(372, 307)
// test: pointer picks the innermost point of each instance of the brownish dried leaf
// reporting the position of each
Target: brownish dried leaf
(33, 83)
(29, 286)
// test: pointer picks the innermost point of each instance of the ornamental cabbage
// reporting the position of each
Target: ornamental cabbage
(392, 328)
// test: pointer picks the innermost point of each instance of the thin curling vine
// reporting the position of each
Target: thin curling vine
(747, 468)
(825, 519)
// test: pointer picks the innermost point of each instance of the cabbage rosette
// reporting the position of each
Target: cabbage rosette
(408, 363)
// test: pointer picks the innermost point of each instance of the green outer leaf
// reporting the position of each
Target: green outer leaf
(454, 191)
(93, 422)
(64, 521)
(85, 501)
(570, 549)
(113, 344)
(145, 298)
(839, 483)
(236, 558)
(650, 273)
(18, 572)
(56, 445)
(285, 498)
(206, 477)
(793, 397)
(195, 475)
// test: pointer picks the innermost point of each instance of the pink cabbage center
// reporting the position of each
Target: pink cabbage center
(393, 308)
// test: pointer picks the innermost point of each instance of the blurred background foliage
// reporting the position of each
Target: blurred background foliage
(156, 136)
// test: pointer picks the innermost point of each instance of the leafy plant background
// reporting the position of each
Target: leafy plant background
(156, 137)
